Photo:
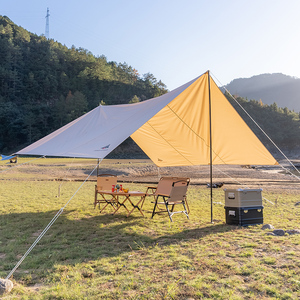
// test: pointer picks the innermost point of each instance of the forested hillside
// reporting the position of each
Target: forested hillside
(44, 85)
(280, 124)
(269, 88)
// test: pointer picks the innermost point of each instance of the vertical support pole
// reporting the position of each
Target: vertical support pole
(210, 149)
(98, 167)
(59, 188)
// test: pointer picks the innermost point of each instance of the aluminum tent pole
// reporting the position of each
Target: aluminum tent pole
(210, 149)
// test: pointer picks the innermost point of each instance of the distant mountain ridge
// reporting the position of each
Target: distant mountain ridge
(282, 89)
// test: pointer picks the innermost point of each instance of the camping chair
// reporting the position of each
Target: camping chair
(177, 195)
(104, 183)
(164, 187)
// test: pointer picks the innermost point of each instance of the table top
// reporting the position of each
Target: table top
(122, 193)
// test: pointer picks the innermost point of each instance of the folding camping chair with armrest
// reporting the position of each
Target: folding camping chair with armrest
(105, 183)
(177, 195)
(164, 187)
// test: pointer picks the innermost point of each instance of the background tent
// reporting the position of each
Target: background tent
(173, 130)
(4, 157)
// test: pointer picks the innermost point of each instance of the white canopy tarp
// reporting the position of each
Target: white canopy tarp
(173, 130)
(98, 132)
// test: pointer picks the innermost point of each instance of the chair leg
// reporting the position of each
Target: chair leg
(185, 211)
(95, 201)
(153, 213)
(169, 212)
(187, 205)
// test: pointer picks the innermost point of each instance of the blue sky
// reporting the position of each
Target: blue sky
(175, 40)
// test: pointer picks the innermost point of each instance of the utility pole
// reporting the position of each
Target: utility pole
(47, 24)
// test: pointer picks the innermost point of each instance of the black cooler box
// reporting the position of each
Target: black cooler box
(244, 216)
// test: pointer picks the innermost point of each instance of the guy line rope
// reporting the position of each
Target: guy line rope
(49, 225)
(281, 152)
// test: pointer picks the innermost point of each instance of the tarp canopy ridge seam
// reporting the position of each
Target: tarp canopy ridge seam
(189, 127)
(208, 146)
(49, 224)
(170, 144)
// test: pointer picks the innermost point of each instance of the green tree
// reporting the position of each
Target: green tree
(135, 99)
(76, 105)
(36, 72)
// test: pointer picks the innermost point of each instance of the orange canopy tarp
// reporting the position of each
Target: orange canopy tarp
(179, 134)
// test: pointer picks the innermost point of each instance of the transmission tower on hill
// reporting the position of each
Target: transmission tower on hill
(47, 24)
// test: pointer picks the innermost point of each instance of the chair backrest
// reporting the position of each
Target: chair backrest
(165, 184)
(179, 189)
(105, 182)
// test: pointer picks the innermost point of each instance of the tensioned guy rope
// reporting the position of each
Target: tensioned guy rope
(49, 225)
(273, 143)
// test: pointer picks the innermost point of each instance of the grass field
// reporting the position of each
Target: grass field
(87, 255)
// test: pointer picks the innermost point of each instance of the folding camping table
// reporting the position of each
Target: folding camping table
(135, 198)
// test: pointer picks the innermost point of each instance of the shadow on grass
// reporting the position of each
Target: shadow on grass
(73, 240)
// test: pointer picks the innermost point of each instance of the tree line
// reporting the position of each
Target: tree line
(279, 126)
(44, 85)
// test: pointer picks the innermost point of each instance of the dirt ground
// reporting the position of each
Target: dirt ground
(144, 171)
(266, 177)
